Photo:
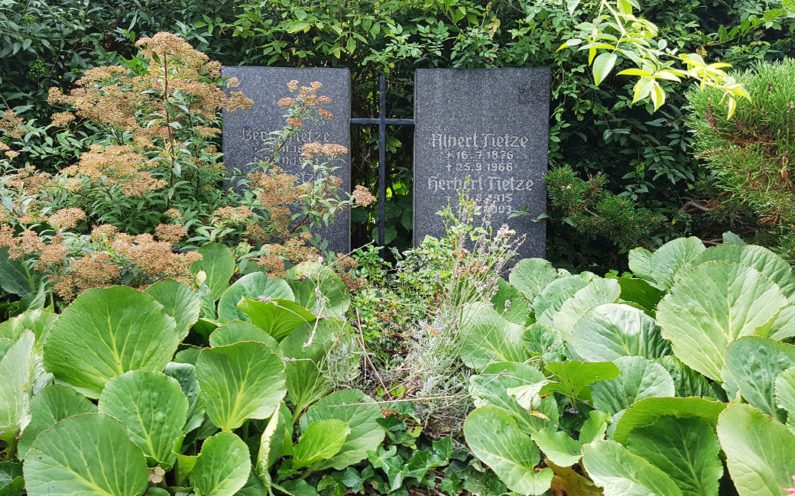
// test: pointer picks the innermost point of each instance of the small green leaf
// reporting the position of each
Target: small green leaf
(252, 286)
(277, 317)
(320, 441)
(602, 66)
(753, 363)
(16, 369)
(360, 412)
(179, 301)
(236, 331)
(487, 337)
(640, 378)
(219, 266)
(574, 378)
(223, 466)
(613, 330)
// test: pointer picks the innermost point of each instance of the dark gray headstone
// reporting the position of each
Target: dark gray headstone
(493, 126)
(245, 132)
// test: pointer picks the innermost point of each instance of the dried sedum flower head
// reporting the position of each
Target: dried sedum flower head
(231, 214)
(170, 233)
(66, 218)
(60, 119)
(362, 196)
(11, 123)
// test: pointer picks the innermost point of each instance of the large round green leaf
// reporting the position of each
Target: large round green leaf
(236, 331)
(510, 303)
(277, 317)
(759, 451)
(622, 473)
(39, 321)
(107, 332)
(597, 292)
(320, 441)
(712, 305)
(218, 263)
(760, 258)
(152, 407)
(640, 378)
(647, 411)
(487, 337)
(662, 266)
(552, 297)
(531, 276)
(611, 331)
(491, 386)
(252, 286)
(240, 381)
(223, 466)
(16, 370)
(85, 454)
(753, 364)
(179, 301)
(305, 383)
(496, 439)
(684, 448)
(360, 412)
(53, 404)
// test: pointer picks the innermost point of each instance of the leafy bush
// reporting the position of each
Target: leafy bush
(160, 402)
(750, 153)
(634, 374)
(152, 181)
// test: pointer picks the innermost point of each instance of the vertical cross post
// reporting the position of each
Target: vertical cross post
(382, 122)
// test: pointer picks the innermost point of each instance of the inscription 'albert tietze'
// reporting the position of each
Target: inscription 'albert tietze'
(476, 140)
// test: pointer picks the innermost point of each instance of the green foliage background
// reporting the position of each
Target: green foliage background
(651, 187)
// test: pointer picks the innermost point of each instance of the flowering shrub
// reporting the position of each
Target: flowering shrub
(151, 183)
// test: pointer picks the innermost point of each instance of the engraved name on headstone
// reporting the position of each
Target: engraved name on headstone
(491, 125)
(246, 133)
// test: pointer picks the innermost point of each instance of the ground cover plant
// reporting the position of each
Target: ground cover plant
(162, 333)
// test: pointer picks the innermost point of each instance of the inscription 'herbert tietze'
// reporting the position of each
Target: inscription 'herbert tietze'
(485, 130)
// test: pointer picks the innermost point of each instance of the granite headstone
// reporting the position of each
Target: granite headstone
(245, 132)
(491, 125)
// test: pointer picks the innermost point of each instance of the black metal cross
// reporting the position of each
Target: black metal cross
(382, 123)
